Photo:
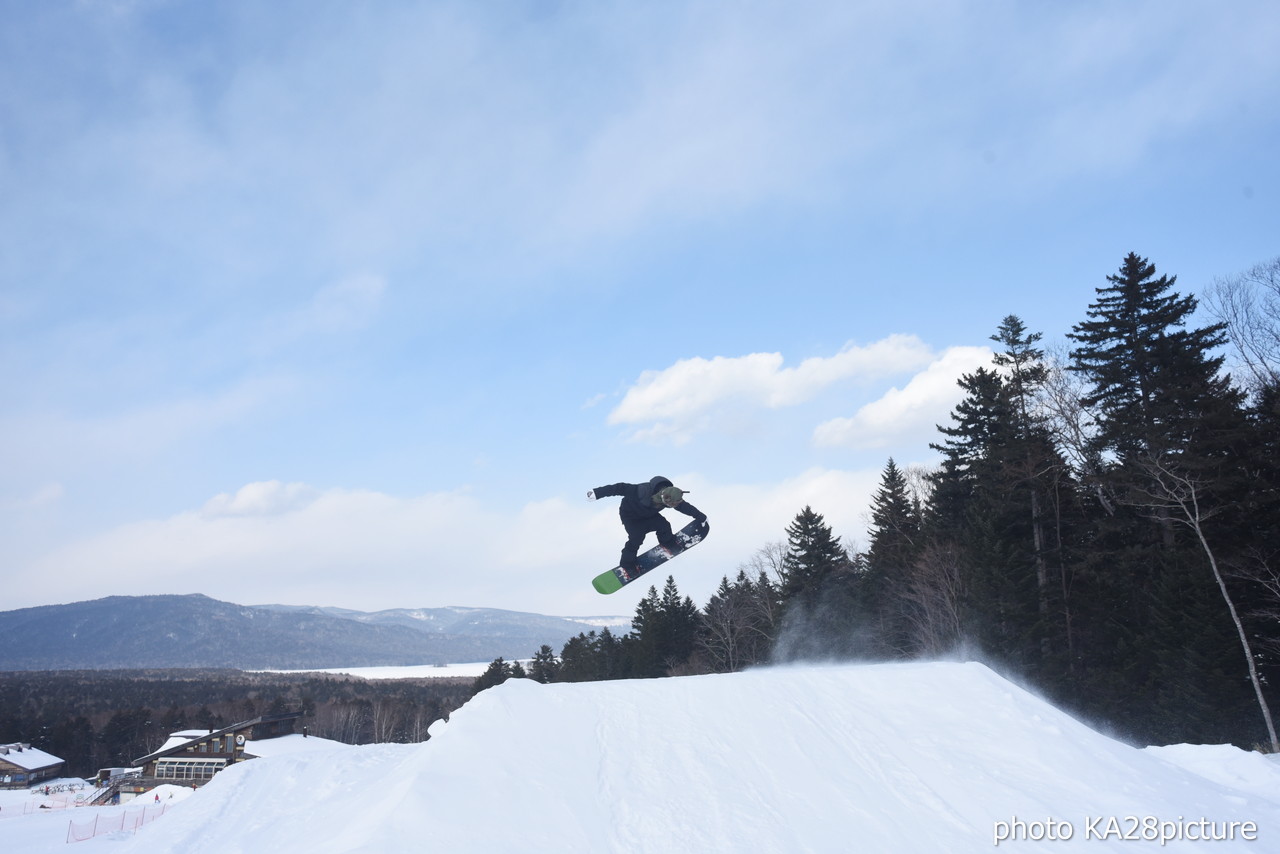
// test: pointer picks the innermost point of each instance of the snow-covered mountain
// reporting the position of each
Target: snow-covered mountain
(130, 632)
(885, 759)
(463, 622)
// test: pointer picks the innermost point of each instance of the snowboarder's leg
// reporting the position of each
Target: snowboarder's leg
(666, 539)
(635, 536)
(636, 531)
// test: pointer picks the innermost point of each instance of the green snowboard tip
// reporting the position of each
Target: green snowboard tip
(607, 582)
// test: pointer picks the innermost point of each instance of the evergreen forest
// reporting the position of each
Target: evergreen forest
(1103, 527)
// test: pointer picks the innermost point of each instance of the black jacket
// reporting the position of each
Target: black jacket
(637, 500)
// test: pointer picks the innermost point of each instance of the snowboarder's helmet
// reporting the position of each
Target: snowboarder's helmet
(671, 496)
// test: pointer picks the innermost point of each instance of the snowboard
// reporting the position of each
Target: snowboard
(615, 579)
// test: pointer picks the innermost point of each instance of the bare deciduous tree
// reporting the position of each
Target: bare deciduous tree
(385, 718)
(1177, 495)
(741, 621)
(919, 480)
(1073, 426)
(726, 628)
(932, 599)
(341, 722)
(767, 560)
(1249, 303)
(1263, 569)
(418, 724)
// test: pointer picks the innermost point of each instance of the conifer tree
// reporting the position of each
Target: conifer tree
(1153, 380)
(610, 655)
(980, 427)
(895, 521)
(1168, 427)
(895, 545)
(987, 519)
(579, 660)
(819, 609)
(1037, 477)
(1024, 371)
(813, 556)
(544, 665)
(664, 631)
(495, 674)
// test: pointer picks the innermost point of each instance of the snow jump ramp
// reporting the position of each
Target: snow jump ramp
(882, 759)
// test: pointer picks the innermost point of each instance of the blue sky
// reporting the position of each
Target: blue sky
(350, 303)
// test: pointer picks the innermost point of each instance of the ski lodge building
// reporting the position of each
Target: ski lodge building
(194, 756)
(22, 765)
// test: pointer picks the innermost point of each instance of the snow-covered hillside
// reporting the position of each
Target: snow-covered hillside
(894, 758)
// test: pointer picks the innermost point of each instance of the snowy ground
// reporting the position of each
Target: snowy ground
(883, 759)
(418, 671)
(14, 801)
(31, 821)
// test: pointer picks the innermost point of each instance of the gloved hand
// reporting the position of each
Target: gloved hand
(591, 495)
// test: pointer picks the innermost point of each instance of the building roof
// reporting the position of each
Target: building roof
(27, 757)
(288, 744)
(179, 740)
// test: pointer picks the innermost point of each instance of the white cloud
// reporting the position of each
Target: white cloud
(916, 408)
(272, 541)
(270, 538)
(684, 398)
(295, 543)
(264, 498)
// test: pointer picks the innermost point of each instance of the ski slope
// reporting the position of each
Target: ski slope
(895, 758)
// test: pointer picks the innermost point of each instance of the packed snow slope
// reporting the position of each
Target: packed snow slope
(884, 759)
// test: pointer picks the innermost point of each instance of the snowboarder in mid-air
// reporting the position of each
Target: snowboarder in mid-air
(641, 512)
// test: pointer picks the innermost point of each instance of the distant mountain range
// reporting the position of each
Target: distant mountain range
(135, 632)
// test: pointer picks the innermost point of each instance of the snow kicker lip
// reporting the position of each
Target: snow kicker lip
(907, 757)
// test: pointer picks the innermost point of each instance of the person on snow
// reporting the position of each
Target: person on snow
(641, 512)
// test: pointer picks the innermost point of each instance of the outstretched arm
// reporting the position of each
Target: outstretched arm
(608, 491)
(689, 510)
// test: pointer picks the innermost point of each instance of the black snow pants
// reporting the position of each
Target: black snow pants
(636, 531)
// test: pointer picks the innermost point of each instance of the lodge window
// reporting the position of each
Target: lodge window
(188, 769)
